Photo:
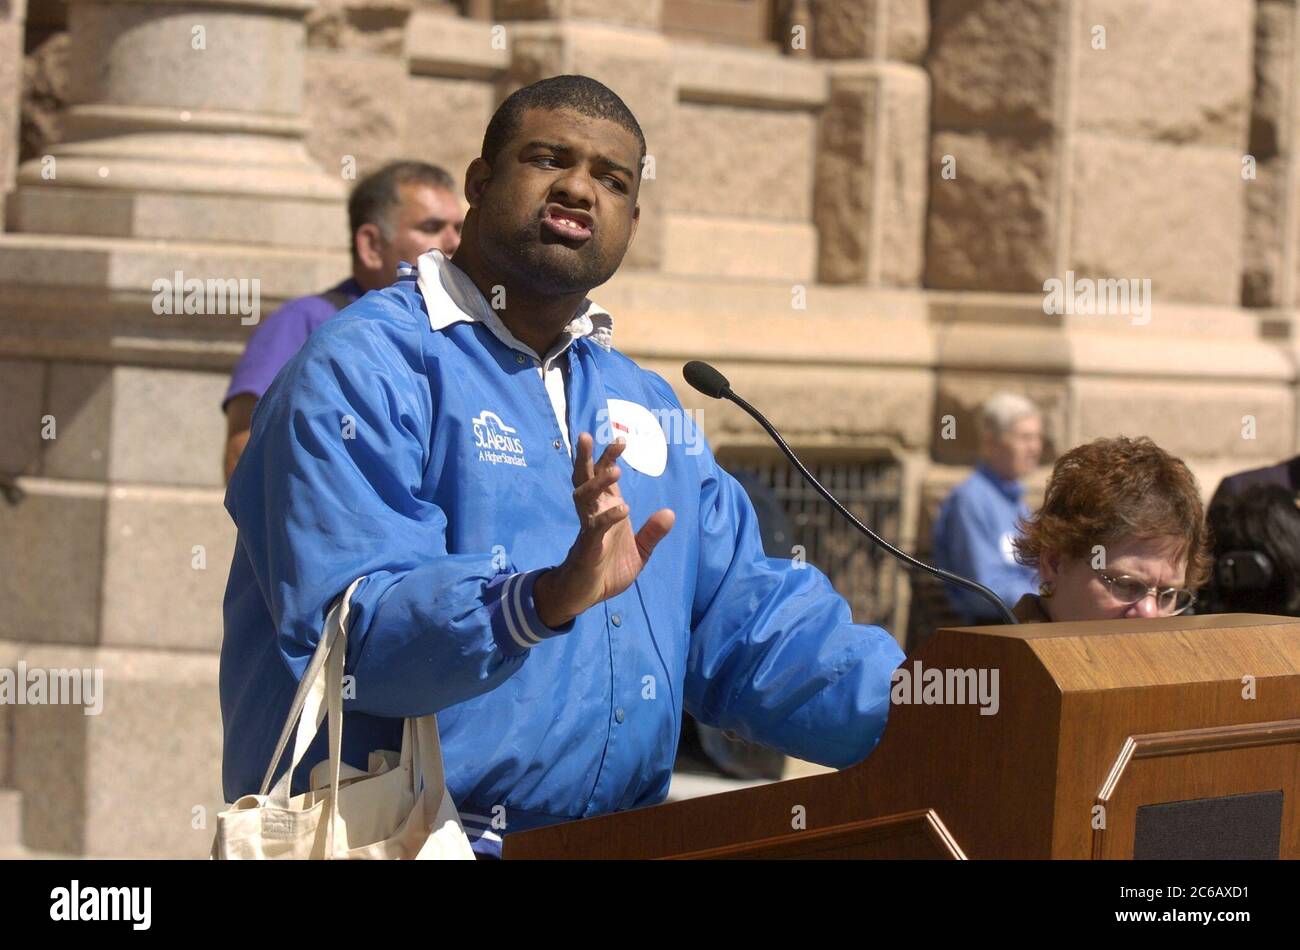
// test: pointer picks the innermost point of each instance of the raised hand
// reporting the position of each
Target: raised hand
(606, 557)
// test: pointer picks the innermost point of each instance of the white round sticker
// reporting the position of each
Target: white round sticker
(1008, 547)
(647, 449)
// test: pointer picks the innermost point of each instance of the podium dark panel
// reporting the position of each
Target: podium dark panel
(1231, 828)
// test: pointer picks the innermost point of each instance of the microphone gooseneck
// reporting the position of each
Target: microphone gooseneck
(707, 380)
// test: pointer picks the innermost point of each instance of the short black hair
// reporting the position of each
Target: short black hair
(376, 196)
(1264, 519)
(580, 94)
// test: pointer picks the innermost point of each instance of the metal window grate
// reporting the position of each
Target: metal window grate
(863, 574)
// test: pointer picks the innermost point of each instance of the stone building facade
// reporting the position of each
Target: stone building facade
(852, 209)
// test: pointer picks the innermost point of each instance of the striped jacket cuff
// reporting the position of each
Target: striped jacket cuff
(515, 623)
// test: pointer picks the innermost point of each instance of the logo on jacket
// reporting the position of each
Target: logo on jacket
(496, 441)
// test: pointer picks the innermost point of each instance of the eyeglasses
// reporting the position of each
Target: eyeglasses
(1170, 601)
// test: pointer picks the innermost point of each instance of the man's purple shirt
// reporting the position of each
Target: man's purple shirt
(280, 336)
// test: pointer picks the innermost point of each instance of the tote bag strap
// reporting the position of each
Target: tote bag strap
(334, 690)
(410, 756)
(427, 763)
(309, 704)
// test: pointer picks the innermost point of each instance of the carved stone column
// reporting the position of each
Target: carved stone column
(186, 124)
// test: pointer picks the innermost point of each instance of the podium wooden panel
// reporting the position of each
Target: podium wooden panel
(1095, 722)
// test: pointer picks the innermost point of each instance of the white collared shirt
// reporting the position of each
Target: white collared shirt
(452, 297)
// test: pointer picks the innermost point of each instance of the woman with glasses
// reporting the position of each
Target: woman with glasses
(1121, 533)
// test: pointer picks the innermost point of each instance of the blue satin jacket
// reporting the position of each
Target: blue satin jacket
(424, 456)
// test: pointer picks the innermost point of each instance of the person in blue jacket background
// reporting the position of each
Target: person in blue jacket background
(468, 443)
(978, 522)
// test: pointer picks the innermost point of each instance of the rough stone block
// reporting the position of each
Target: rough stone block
(1268, 248)
(993, 225)
(446, 120)
(994, 65)
(13, 11)
(1263, 279)
(167, 556)
(370, 26)
(1271, 113)
(640, 14)
(1174, 214)
(871, 176)
(1172, 70)
(870, 29)
(51, 544)
(742, 162)
(45, 93)
(356, 106)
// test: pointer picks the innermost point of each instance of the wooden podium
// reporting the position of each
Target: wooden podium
(1175, 737)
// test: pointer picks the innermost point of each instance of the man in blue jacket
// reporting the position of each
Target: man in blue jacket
(979, 520)
(435, 440)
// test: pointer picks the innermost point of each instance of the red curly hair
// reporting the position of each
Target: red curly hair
(1111, 489)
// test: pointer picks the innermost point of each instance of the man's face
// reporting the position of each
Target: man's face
(1015, 452)
(427, 217)
(559, 207)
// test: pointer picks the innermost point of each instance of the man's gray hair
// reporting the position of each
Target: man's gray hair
(1002, 410)
(377, 196)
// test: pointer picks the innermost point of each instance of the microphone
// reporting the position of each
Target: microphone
(707, 380)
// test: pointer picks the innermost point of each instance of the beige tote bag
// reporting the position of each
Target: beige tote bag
(399, 808)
